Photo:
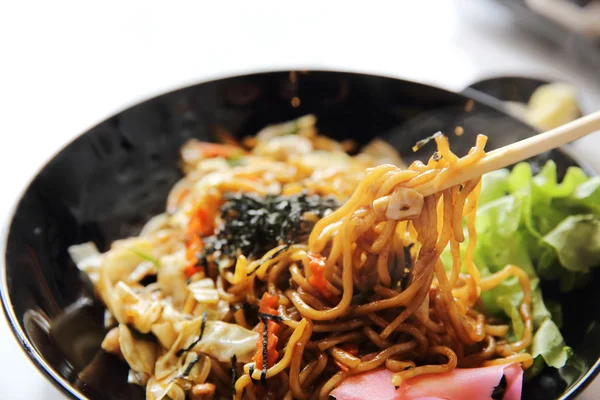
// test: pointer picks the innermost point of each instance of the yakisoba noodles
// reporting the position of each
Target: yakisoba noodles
(284, 265)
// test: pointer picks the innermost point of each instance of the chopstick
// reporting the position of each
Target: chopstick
(519, 151)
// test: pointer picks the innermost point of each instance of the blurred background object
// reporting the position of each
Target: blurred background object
(571, 25)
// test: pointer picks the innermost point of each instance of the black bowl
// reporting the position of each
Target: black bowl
(106, 183)
(509, 88)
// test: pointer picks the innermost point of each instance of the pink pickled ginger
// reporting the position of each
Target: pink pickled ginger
(460, 384)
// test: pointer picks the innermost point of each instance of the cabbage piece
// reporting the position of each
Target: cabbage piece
(204, 291)
(171, 279)
(383, 153)
(207, 296)
(155, 224)
(140, 354)
(165, 333)
(124, 257)
(163, 389)
(283, 147)
(304, 126)
(164, 327)
(87, 258)
(131, 308)
(220, 340)
(144, 269)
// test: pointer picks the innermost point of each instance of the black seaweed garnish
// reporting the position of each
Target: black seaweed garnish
(265, 351)
(498, 393)
(252, 224)
(272, 256)
(423, 142)
(407, 266)
(141, 336)
(265, 317)
(188, 369)
(251, 372)
(233, 373)
(191, 346)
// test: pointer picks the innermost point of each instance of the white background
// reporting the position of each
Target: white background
(65, 66)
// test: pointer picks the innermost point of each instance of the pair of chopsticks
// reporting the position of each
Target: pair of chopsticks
(519, 151)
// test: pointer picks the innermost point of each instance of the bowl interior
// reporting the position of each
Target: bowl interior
(109, 181)
(509, 88)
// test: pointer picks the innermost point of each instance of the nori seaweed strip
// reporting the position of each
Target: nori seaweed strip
(188, 369)
(251, 372)
(233, 372)
(191, 346)
(265, 353)
(423, 142)
(149, 337)
(407, 265)
(407, 257)
(498, 393)
(272, 256)
(276, 318)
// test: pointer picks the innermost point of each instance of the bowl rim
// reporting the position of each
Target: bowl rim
(37, 359)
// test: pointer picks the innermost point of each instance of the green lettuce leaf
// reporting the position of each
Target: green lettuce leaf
(493, 186)
(538, 365)
(576, 241)
(547, 181)
(548, 228)
(509, 308)
(588, 195)
(549, 343)
(539, 310)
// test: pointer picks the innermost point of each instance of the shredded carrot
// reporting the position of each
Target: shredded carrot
(351, 348)
(199, 225)
(182, 196)
(317, 274)
(194, 245)
(226, 137)
(341, 366)
(199, 222)
(210, 150)
(268, 304)
(191, 270)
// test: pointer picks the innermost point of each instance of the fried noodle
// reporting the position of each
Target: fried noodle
(355, 285)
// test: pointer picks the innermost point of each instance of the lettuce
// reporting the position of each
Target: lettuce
(550, 345)
(576, 241)
(557, 223)
(548, 228)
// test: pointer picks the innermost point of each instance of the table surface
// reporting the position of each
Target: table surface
(68, 65)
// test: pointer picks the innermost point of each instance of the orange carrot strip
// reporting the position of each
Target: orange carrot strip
(210, 150)
(317, 271)
(268, 304)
